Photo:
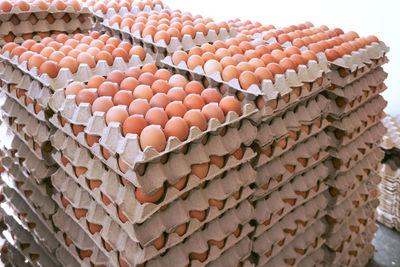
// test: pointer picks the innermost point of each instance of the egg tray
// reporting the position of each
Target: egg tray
(364, 255)
(292, 247)
(301, 116)
(314, 73)
(98, 15)
(218, 189)
(43, 25)
(222, 229)
(24, 243)
(237, 254)
(123, 244)
(42, 14)
(43, 234)
(16, 71)
(28, 163)
(161, 47)
(315, 258)
(271, 211)
(391, 139)
(11, 257)
(336, 78)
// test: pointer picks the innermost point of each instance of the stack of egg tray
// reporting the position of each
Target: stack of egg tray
(291, 182)
(355, 154)
(389, 200)
(18, 25)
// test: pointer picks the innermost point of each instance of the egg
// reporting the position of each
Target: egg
(23, 5)
(153, 136)
(116, 76)
(147, 78)
(238, 154)
(212, 66)
(143, 91)
(108, 88)
(195, 118)
(194, 101)
(246, 79)
(177, 126)
(332, 54)
(194, 61)
(102, 104)
(200, 170)
(162, 74)
(160, 86)
(116, 114)
(177, 80)
(194, 87)
(69, 63)
(5, 6)
(159, 242)
(160, 100)
(275, 68)
(139, 106)
(95, 81)
(36, 61)
(86, 58)
(18, 51)
(211, 95)
(263, 73)
(49, 67)
(134, 72)
(181, 229)
(309, 55)
(201, 257)
(106, 56)
(86, 96)
(176, 109)
(229, 103)
(153, 198)
(134, 124)
(123, 97)
(156, 116)
(287, 64)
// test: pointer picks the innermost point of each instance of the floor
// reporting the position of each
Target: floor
(387, 248)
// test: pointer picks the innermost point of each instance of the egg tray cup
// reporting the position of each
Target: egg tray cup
(23, 241)
(314, 73)
(237, 254)
(79, 195)
(65, 77)
(267, 218)
(221, 229)
(44, 233)
(304, 114)
(35, 134)
(174, 45)
(315, 258)
(308, 241)
(26, 159)
(43, 25)
(124, 244)
(81, 157)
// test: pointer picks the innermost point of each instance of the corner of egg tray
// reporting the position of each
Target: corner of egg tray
(83, 73)
(174, 45)
(219, 189)
(12, 256)
(284, 83)
(42, 25)
(123, 10)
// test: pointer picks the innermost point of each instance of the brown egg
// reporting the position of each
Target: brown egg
(95, 81)
(147, 78)
(238, 154)
(195, 51)
(160, 100)
(211, 95)
(332, 54)
(102, 104)
(35, 61)
(194, 87)
(244, 66)
(194, 101)
(194, 61)
(106, 56)
(51, 68)
(177, 127)
(212, 66)
(74, 88)
(228, 61)
(160, 86)
(108, 88)
(143, 91)
(201, 257)
(246, 79)
(139, 106)
(56, 56)
(176, 94)
(309, 55)
(199, 215)
(195, 118)
(298, 59)
(143, 198)
(86, 96)
(212, 110)
(123, 97)
(263, 73)
(134, 124)
(134, 72)
(179, 56)
(156, 116)
(116, 114)
(153, 136)
(275, 68)
(162, 74)
(116, 76)
(10, 46)
(229, 103)
(159, 242)
(69, 63)
(229, 73)
(176, 109)
(181, 229)
(287, 64)
(86, 58)
(177, 80)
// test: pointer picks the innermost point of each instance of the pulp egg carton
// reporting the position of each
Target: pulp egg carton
(77, 242)
(273, 175)
(64, 76)
(315, 258)
(128, 147)
(42, 233)
(293, 252)
(162, 48)
(320, 140)
(237, 254)
(24, 243)
(29, 164)
(67, 23)
(284, 85)
(391, 139)
(267, 215)
(364, 255)
(134, 10)
(198, 199)
(12, 255)
(230, 228)
(19, 95)
(241, 133)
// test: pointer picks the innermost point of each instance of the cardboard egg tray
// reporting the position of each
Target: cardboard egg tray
(40, 13)
(293, 251)
(161, 47)
(79, 156)
(76, 191)
(315, 258)
(10, 255)
(237, 254)
(392, 138)
(15, 72)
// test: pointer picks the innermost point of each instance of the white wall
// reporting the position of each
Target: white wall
(380, 18)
